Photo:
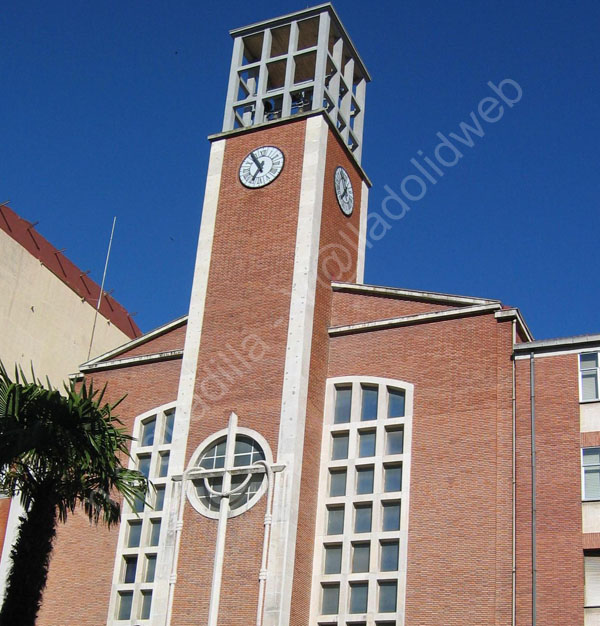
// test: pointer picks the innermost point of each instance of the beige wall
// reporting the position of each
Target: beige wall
(42, 321)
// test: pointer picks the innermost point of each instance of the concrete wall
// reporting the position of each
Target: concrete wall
(43, 321)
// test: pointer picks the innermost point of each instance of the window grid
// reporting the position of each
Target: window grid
(353, 582)
(143, 526)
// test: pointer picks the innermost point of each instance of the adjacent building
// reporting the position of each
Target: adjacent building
(47, 316)
(324, 451)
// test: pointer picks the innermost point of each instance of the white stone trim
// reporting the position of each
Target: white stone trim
(407, 320)
(157, 332)
(296, 373)
(411, 294)
(134, 360)
(362, 233)
(515, 314)
(350, 499)
(187, 380)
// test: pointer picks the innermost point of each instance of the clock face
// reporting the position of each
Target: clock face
(343, 190)
(261, 167)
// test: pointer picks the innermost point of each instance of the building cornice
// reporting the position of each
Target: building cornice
(559, 345)
(412, 294)
(227, 134)
(410, 320)
(153, 334)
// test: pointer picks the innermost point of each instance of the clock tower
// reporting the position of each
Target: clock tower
(284, 214)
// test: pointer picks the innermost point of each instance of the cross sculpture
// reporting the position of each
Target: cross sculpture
(224, 471)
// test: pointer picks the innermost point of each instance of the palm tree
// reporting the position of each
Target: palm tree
(57, 452)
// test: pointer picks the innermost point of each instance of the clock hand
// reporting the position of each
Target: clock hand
(259, 169)
(256, 161)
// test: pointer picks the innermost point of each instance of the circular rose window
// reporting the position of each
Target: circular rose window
(231, 467)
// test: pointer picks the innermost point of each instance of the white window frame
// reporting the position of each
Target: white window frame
(589, 369)
(583, 468)
(350, 499)
(160, 584)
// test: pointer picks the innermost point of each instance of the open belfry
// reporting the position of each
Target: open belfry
(324, 451)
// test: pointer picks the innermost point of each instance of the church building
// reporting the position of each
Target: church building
(325, 452)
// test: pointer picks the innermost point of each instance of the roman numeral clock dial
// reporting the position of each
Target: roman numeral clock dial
(343, 190)
(261, 167)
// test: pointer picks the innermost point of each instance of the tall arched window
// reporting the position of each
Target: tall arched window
(362, 519)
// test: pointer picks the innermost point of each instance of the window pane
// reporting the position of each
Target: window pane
(360, 557)
(135, 532)
(395, 403)
(369, 403)
(154, 532)
(148, 432)
(589, 386)
(163, 467)
(364, 480)
(129, 569)
(366, 443)
(592, 580)
(169, 422)
(343, 400)
(389, 556)
(387, 596)
(591, 488)
(331, 599)
(340, 447)
(393, 478)
(125, 599)
(337, 483)
(333, 559)
(358, 597)
(588, 360)
(335, 521)
(391, 516)
(150, 568)
(591, 456)
(159, 498)
(146, 604)
(144, 464)
(362, 519)
(395, 441)
(138, 505)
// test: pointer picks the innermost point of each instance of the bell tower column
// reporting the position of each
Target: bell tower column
(284, 214)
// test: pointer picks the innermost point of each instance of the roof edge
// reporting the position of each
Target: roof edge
(24, 233)
(157, 332)
(411, 294)
(566, 343)
(409, 320)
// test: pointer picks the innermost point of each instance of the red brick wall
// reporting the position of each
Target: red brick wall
(523, 495)
(81, 568)
(353, 308)
(459, 520)
(247, 304)
(558, 492)
(171, 340)
(4, 511)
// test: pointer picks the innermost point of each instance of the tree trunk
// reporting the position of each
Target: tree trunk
(29, 569)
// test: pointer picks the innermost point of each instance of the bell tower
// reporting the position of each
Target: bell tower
(284, 214)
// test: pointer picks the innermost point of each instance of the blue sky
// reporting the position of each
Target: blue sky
(106, 106)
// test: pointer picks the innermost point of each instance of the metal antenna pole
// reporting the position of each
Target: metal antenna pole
(112, 232)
